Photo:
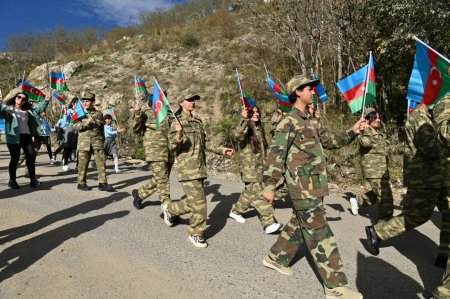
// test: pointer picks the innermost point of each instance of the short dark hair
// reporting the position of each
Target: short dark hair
(293, 95)
(371, 117)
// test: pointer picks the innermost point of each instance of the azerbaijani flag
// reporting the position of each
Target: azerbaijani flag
(359, 87)
(281, 95)
(429, 81)
(141, 87)
(321, 95)
(63, 112)
(246, 101)
(110, 111)
(58, 81)
(160, 104)
(2, 129)
(79, 112)
(32, 92)
(59, 98)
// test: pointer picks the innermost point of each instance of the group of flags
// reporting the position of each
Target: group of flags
(159, 102)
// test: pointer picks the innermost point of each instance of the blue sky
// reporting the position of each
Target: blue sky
(24, 16)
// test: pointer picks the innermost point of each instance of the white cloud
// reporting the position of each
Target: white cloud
(125, 12)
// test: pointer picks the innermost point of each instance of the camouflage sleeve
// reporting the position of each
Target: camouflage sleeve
(275, 165)
(40, 107)
(139, 121)
(444, 133)
(83, 125)
(241, 130)
(366, 140)
(213, 147)
(425, 139)
(397, 149)
(174, 143)
(336, 140)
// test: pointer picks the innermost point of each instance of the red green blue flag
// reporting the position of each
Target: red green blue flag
(61, 100)
(63, 112)
(160, 104)
(320, 93)
(280, 95)
(359, 89)
(79, 112)
(429, 81)
(141, 87)
(110, 111)
(58, 81)
(32, 92)
(246, 101)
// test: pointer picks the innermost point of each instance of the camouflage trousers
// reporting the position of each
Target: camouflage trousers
(443, 291)
(380, 195)
(252, 196)
(443, 204)
(311, 227)
(194, 203)
(418, 207)
(83, 161)
(281, 191)
(159, 182)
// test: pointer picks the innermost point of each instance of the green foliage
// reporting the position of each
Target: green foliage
(189, 41)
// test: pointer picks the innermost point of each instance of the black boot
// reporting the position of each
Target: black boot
(373, 241)
(441, 261)
(35, 183)
(105, 187)
(137, 201)
(83, 187)
(13, 184)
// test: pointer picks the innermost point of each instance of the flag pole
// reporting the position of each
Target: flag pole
(407, 109)
(440, 55)
(135, 89)
(173, 113)
(240, 89)
(365, 86)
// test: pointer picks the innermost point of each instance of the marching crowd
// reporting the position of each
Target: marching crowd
(293, 164)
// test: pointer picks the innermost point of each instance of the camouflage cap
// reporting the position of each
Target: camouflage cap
(299, 81)
(368, 110)
(88, 95)
(188, 96)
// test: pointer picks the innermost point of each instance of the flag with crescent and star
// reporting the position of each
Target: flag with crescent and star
(160, 104)
(32, 92)
(58, 81)
(429, 81)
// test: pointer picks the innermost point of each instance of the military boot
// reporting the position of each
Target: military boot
(105, 187)
(373, 241)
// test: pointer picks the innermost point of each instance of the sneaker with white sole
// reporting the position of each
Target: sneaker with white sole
(167, 217)
(118, 171)
(198, 241)
(354, 207)
(342, 292)
(270, 263)
(274, 227)
(65, 167)
(237, 217)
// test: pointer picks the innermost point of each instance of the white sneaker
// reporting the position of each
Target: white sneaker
(198, 241)
(237, 217)
(65, 167)
(52, 161)
(274, 227)
(354, 207)
(167, 217)
(118, 171)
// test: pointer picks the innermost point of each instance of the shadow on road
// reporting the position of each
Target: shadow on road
(378, 279)
(10, 234)
(217, 218)
(20, 256)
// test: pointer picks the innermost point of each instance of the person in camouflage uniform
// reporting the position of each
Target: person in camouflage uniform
(422, 176)
(374, 149)
(297, 153)
(443, 290)
(91, 140)
(157, 153)
(188, 140)
(441, 116)
(253, 148)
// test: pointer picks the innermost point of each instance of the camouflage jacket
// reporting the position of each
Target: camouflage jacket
(375, 149)
(91, 134)
(441, 116)
(297, 152)
(156, 141)
(421, 164)
(250, 164)
(190, 150)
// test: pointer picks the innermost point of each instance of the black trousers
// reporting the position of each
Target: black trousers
(25, 143)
